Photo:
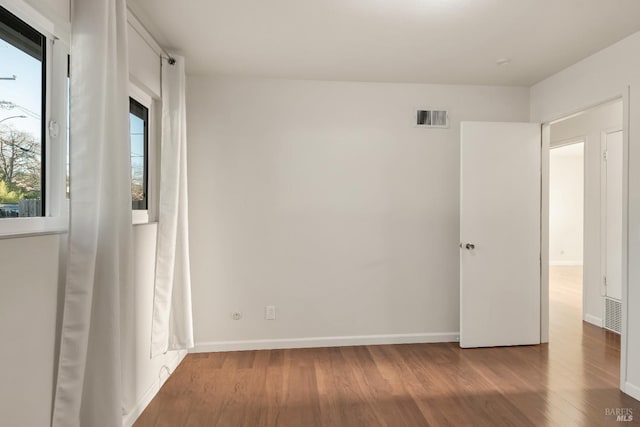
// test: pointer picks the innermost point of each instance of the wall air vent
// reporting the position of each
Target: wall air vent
(613, 315)
(432, 119)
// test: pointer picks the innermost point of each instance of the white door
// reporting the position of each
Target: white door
(499, 234)
(613, 213)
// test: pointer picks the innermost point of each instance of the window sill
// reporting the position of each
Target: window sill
(146, 223)
(139, 217)
(16, 228)
(13, 228)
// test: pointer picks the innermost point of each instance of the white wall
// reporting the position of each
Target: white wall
(605, 75)
(324, 199)
(144, 61)
(28, 318)
(566, 204)
(56, 10)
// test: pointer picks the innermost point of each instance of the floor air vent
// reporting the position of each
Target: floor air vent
(613, 315)
(432, 118)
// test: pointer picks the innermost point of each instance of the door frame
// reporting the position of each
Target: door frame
(603, 207)
(624, 95)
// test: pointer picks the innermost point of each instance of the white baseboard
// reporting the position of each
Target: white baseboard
(632, 390)
(140, 406)
(567, 263)
(593, 320)
(270, 344)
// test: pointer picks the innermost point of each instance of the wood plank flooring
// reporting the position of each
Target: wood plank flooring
(573, 381)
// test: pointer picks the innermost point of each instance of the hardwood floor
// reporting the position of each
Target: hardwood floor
(573, 381)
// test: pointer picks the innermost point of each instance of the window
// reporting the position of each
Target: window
(22, 127)
(139, 134)
(33, 95)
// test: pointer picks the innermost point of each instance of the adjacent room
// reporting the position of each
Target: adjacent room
(338, 213)
(586, 175)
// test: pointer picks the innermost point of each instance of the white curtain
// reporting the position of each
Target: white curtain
(172, 325)
(99, 269)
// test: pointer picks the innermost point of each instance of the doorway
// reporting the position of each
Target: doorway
(586, 231)
(566, 231)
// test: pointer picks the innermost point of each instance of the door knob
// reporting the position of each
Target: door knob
(469, 246)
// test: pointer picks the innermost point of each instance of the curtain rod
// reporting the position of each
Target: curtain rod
(170, 59)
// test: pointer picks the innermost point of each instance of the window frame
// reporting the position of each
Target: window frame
(144, 216)
(31, 34)
(55, 211)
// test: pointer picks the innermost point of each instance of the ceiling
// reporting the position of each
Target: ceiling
(425, 41)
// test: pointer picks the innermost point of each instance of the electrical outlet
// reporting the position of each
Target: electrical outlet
(236, 315)
(270, 312)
